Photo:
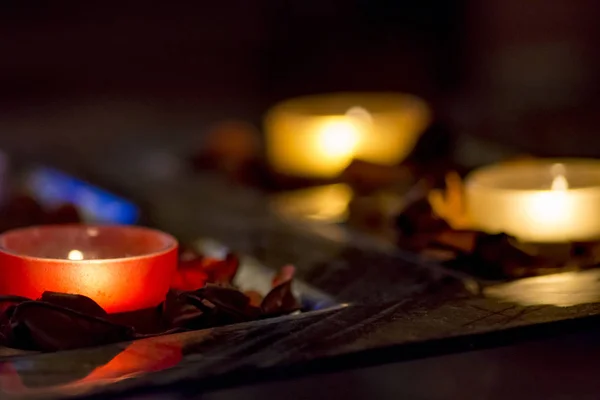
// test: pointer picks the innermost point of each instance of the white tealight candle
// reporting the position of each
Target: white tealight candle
(318, 136)
(542, 201)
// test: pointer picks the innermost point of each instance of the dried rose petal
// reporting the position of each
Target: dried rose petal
(76, 302)
(9, 301)
(459, 241)
(229, 300)
(176, 312)
(280, 301)
(255, 297)
(220, 300)
(495, 257)
(42, 326)
(226, 270)
(418, 219)
(189, 276)
(195, 272)
(189, 317)
(449, 204)
(285, 274)
(188, 254)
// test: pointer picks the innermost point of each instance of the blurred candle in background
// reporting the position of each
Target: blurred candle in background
(544, 201)
(318, 136)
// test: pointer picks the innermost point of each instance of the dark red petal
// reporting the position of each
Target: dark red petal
(76, 302)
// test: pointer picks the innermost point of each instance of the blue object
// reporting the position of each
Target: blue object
(52, 188)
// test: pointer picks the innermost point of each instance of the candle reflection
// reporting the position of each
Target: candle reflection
(325, 203)
(140, 357)
(562, 290)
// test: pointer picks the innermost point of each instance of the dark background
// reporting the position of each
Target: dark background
(232, 50)
(523, 73)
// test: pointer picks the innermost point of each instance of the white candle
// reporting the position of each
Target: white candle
(537, 201)
(318, 136)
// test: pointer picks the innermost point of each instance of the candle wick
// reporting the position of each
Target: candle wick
(360, 114)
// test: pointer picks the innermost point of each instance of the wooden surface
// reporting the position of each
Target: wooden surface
(398, 309)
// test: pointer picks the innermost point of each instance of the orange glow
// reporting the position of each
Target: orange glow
(143, 356)
(139, 357)
(116, 284)
(338, 138)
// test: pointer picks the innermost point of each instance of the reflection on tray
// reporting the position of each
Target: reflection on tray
(562, 290)
(324, 203)
(335, 213)
(142, 356)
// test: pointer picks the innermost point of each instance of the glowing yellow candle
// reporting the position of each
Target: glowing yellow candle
(318, 136)
(537, 201)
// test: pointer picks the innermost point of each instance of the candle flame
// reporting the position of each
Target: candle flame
(339, 138)
(559, 183)
(550, 211)
(75, 255)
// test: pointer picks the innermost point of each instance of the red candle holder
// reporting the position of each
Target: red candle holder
(122, 268)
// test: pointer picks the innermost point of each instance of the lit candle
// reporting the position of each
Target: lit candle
(122, 268)
(318, 136)
(544, 201)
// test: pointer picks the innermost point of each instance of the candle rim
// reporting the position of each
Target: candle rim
(322, 104)
(172, 244)
(473, 180)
